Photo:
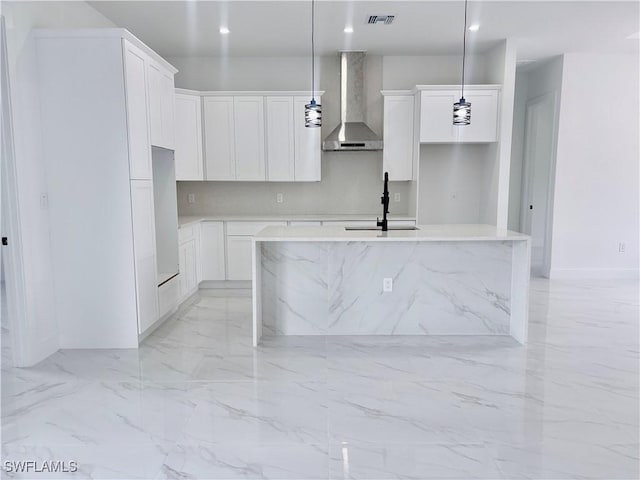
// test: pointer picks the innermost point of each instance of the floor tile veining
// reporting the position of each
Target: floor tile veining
(198, 401)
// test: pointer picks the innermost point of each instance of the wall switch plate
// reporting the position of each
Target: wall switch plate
(44, 201)
(396, 197)
(191, 198)
(622, 247)
(387, 285)
(279, 198)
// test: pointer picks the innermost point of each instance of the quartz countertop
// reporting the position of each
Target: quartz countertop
(424, 233)
(187, 220)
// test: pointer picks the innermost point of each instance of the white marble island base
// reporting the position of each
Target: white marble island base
(447, 280)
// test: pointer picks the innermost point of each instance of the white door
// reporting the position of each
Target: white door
(307, 145)
(137, 112)
(397, 154)
(249, 138)
(484, 118)
(219, 138)
(436, 117)
(144, 245)
(538, 161)
(239, 257)
(280, 139)
(188, 141)
(212, 250)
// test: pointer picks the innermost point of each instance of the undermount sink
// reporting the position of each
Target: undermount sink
(408, 227)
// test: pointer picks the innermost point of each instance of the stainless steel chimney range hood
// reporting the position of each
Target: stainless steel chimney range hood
(352, 133)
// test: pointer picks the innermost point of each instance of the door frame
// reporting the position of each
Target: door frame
(528, 176)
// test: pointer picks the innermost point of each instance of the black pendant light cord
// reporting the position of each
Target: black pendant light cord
(464, 44)
(313, 56)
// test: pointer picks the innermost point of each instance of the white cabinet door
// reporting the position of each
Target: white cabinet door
(239, 257)
(219, 138)
(161, 111)
(249, 138)
(168, 107)
(307, 146)
(212, 250)
(154, 76)
(144, 244)
(188, 140)
(188, 277)
(484, 118)
(280, 139)
(397, 155)
(436, 117)
(137, 112)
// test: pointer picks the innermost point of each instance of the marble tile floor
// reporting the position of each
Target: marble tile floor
(196, 401)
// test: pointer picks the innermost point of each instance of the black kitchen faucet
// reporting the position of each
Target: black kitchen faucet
(385, 204)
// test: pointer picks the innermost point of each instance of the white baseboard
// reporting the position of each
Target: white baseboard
(594, 273)
(225, 284)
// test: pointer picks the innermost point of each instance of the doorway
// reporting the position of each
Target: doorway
(537, 181)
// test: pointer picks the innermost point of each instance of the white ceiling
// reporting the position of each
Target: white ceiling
(281, 28)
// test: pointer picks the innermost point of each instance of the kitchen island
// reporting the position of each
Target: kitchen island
(443, 280)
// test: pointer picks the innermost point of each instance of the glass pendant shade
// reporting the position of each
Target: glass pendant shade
(313, 114)
(462, 112)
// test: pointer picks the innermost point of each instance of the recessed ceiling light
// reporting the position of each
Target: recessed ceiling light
(224, 30)
(348, 29)
(474, 28)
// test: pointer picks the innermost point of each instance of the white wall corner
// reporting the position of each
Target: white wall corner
(505, 133)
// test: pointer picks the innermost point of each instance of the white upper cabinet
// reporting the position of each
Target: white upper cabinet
(436, 115)
(162, 106)
(219, 138)
(307, 145)
(137, 112)
(188, 138)
(249, 138)
(258, 138)
(397, 155)
(280, 139)
(484, 118)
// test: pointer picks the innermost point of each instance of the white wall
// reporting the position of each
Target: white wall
(596, 183)
(517, 150)
(39, 329)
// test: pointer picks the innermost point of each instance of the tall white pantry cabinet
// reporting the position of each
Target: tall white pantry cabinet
(106, 101)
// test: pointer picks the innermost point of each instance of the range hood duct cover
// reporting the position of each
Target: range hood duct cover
(352, 133)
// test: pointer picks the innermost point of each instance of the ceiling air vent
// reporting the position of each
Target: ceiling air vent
(384, 19)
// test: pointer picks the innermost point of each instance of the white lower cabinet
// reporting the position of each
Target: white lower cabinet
(188, 268)
(238, 257)
(212, 251)
(168, 295)
(144, 246)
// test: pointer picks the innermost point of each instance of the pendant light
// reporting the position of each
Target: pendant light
(462, 109)
(313, 111)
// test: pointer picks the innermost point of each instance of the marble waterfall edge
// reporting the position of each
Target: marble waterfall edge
(335, 288)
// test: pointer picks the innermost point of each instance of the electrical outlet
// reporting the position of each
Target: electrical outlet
(387, 285)
(44, 201)
(396, 197)
(279, 198)
(454, 195)
(191, 198)
(622, 247)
